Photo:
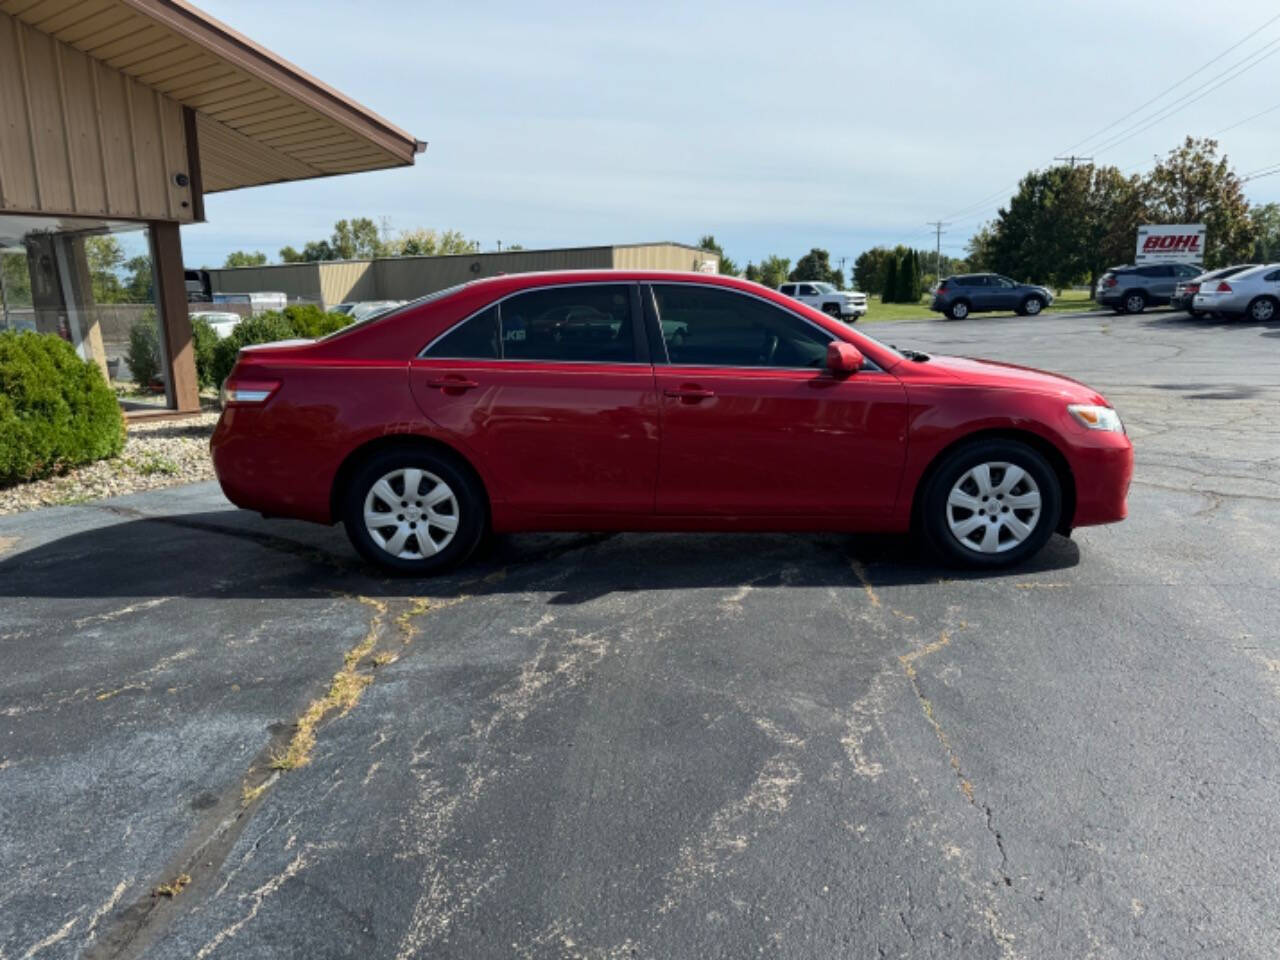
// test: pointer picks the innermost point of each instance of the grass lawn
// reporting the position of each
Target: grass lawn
(1069, 301)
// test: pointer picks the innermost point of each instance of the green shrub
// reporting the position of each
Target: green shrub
(300, 320)
(56, 411)
(311, 322)
(143, 355)
(265, 328)
(203, 343)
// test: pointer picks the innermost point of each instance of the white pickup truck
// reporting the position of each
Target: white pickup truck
(843, 304)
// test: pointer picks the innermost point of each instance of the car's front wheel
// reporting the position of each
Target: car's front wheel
(1032, 306)
(991, 503)
(414, 511)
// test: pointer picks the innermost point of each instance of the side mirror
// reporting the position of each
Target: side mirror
(843, 358)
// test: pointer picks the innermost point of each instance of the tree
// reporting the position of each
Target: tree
(140, 287)
(980, 250)
(773, 270)
(816, 265)
(752, 273)
(889, 291)
(727, 266)
(242, 258)
(356, 239)
(1194, 185)
(105, 257)
(290, 255)
(423, 242)
(1266, 230)
(16, 277)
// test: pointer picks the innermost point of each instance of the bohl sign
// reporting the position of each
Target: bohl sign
(1171, 243)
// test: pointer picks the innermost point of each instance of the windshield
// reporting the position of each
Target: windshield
(825, 288)
(382, 314)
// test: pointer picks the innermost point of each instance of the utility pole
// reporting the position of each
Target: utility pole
(1073, 159)
(937, 226)
(499, 246)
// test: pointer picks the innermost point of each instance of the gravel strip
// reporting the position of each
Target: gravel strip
(162, 454)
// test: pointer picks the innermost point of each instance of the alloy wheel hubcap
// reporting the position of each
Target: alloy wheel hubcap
(1263, 309)
(993, 507)
(411, 513)
(960, 310)
(1135, 304)
(1033, 306)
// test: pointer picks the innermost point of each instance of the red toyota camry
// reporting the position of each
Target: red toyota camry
(616, 400)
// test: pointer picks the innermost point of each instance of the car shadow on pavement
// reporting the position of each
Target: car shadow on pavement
(237, 554)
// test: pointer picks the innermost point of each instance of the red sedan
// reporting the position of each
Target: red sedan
(621, 400)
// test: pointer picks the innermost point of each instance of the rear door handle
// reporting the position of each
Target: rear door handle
(689, 393)
(452, 383)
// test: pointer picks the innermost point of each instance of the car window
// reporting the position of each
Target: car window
(1272, 277)
(590, 323)
(710, 327)
(788, 288)
(974, 281)
(1183, 270)
(1159, 270)
(807, 290)
(1001, 282)
(474, 339)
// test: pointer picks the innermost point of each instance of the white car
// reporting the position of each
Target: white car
(846, 305)
(1253, 294)
(222, 321)
(371, 308)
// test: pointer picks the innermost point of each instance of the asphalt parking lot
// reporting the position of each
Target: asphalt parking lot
(672, 746)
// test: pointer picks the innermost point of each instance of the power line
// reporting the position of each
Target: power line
(1172, 87)
(1182, 102)
(1073, 158)
(981, 207)
(1241, 123)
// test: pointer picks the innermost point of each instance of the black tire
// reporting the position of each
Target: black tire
(1262, 310)
(1135, 301)
(832, 310)
(1193, 313)
(1031, 306)
(958, 310)
(935, 513)
(470, 506)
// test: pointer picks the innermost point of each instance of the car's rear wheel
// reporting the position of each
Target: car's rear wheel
(1262, 309)
(1193, 312)
(958, 310)
(1135, 302)
(414, 511)
(1032, 306)
(991, 503)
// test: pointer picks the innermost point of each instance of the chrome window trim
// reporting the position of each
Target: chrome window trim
(422, 354)
(872, 368)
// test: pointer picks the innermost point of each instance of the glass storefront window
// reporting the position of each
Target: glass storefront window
(92, 283)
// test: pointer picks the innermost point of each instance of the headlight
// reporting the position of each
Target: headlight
(1096, 418)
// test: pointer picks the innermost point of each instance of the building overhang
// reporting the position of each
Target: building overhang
(257, 118)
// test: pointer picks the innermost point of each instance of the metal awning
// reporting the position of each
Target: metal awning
(259, 119)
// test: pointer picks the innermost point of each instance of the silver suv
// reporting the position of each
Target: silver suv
(1132, 289)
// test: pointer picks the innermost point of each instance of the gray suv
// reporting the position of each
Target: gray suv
(968, 293)
(1131, 289)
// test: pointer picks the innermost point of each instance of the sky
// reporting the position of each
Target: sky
(776, 128)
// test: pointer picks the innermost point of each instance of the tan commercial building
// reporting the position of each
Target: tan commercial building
(117, 117)
(405, 278)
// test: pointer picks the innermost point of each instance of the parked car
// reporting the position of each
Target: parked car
(258, 303)
(1131, 289)
(963, 294)
(843, 304)
(343, 308)
(1252, 293)
(366, 309)
(222, 321)
(763, 414)
(1184, 291)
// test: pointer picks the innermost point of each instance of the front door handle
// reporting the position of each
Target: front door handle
(452, 383)
(689, 393)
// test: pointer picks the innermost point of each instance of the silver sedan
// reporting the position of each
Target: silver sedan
(1253, 293)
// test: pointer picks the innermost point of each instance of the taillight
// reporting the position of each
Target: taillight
(1224, 287)
(247, 391)
(1109, 281)
(942, 288)
(1193, 288)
